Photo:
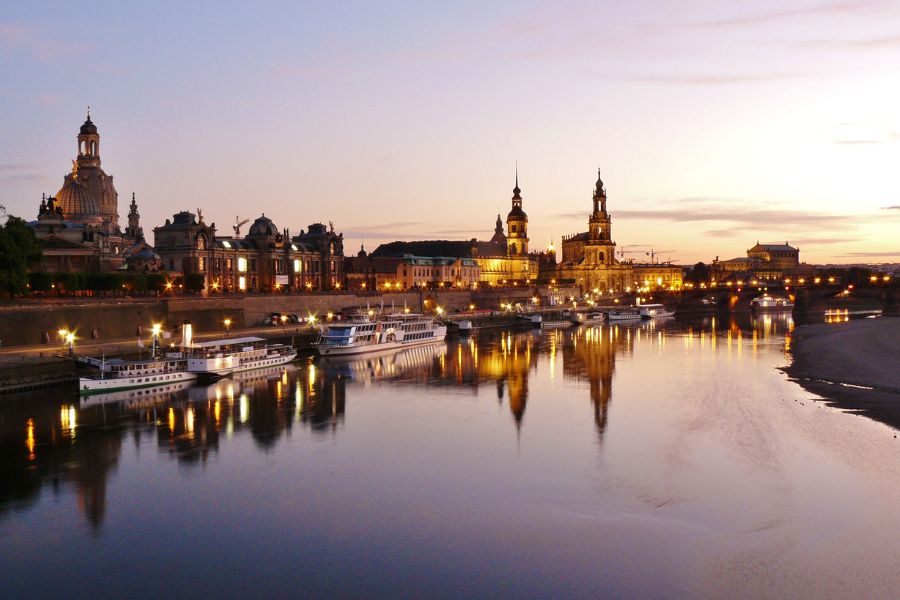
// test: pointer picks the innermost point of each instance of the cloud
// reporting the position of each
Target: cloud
(15, 172)
(782, 14)
(713, 79)
(39, 44)
(891, 41)
(895, 207)
(863, 254)
(737, 215)
(823, 241)
(856, 142)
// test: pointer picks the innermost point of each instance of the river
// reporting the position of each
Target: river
(662, 459)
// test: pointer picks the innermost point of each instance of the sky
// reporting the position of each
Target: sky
(715, 124)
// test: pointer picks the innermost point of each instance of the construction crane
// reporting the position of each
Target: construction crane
(238, 223)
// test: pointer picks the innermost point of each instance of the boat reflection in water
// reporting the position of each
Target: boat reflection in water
(59, 437)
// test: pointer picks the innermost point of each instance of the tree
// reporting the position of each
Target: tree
(699, 273)
(194, 282)
(19, 250)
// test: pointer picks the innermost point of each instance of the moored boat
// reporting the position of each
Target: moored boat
(359, 336)
(771, 303)
(653, 311)
(220, 358)
(626, 313)
(119, 374)
(589, 318)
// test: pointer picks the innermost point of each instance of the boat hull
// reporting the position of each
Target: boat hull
(352, 350)
(88, 386)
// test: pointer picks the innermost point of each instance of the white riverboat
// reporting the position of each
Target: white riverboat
(654, 311)
(118, 374)
(220, 358)
(627, 313)
(589, 318)
(770, 303)
(361, 335)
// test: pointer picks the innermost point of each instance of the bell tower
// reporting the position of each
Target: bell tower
(600, 223)
(88, 143)
(517, 224)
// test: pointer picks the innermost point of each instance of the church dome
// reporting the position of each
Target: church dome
(263, 227)
(88, 127)
(77, 202)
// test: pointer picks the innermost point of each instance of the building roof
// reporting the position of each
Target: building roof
(88, 127)
(785, 247)
(442, 248)
(76, 201)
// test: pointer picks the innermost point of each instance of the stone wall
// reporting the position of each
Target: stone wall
(26, 324)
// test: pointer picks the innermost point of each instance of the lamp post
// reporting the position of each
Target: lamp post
(70, 340)
(227, 323)
(157, 327)
(283, 321)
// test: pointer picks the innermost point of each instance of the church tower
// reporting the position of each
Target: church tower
(517, 225)
(600, 249)
(88, 144)
(134, 230)
(89, 174)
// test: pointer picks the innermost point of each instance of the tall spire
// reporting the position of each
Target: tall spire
(516, 190)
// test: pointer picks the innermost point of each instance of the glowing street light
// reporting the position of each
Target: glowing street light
(283, 322)
(157, 327)
(227, 323)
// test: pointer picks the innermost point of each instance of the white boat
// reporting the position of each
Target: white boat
(589, 318)
(219, 358)
(653, 311)
(359, 336)
(627, 313)
(118, 374)
(773, 303)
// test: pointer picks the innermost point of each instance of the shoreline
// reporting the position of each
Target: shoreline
(853, 366)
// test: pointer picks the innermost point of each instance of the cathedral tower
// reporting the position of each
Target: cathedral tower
(89, 174)
(517, 225)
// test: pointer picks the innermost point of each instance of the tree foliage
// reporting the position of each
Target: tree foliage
(19, 250)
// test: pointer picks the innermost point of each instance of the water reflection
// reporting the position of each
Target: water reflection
(50, 444)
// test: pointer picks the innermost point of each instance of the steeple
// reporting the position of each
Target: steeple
(134, 230)
(517, 223)
(88, 143)
(599, 195)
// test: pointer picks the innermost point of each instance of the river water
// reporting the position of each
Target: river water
(661, 459)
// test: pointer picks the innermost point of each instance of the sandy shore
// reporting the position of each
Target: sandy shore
(854, 365)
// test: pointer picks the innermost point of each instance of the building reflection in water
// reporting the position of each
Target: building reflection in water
(56, 441)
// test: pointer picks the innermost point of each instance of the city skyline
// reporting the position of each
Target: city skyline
(407, 123)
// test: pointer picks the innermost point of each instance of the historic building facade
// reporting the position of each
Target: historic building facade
(763, 261)
(79, 227)
(589, 258)
(504, 259)
(265, 260)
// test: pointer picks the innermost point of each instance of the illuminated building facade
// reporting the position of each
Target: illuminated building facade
(265, 260)
(504, 259)
(79, 226)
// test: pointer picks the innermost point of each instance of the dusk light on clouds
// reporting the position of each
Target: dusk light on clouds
(715, 124)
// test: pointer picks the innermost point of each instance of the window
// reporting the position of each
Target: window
(201, 264)
(201, 242)
(242, 283)
(253, 265)
(298, 265)
(242, 265)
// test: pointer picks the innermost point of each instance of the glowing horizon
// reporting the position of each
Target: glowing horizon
(714, 126)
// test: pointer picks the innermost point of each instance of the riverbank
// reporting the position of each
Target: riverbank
(855, 366)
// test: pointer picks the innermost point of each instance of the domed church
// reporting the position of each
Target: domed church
(79, 227)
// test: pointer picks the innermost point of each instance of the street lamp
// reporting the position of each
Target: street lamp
(70, 340)
(227, 323)
(157, 327)
(283, 321)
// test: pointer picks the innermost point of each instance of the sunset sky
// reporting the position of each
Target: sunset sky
(715, 124)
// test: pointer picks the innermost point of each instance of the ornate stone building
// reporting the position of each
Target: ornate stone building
(79, 227)
(589, 258)
(504, 259)
(265, 260)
